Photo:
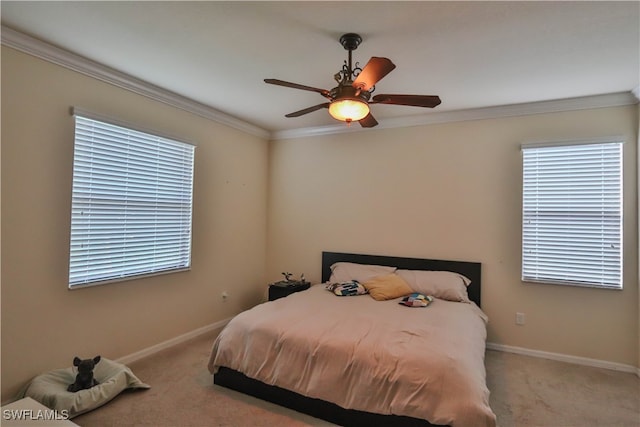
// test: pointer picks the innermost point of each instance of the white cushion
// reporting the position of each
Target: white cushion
(342, 272)
(50, 388)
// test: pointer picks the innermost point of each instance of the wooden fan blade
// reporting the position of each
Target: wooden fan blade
(429, 101)
(373, 72)
(308, 110)
(277, 82)
(369, 121)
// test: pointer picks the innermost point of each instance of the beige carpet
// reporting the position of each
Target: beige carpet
(525, 392)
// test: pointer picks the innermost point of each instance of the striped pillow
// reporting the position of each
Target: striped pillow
(347, 289)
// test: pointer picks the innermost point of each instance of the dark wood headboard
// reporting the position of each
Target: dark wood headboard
(471, 270)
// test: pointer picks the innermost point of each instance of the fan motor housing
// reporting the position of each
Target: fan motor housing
(347, 91)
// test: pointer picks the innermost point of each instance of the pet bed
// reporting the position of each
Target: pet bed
(50, 388)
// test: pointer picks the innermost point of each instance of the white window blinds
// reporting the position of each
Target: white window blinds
(572, 214)
(131, 204)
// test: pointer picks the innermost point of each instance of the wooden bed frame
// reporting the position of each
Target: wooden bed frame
(329, 411)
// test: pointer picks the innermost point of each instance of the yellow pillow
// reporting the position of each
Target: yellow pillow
(387, 287)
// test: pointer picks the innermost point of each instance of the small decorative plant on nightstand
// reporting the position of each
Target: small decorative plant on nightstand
(287, 286)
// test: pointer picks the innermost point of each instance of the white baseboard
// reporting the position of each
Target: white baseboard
(173, 341)
(596, 363)
(491, 346)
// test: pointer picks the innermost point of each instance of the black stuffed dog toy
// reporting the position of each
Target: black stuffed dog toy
(84, 379)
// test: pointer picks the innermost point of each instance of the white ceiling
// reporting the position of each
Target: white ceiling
(471, 54)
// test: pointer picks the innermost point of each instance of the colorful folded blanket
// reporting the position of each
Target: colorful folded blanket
(416, 300)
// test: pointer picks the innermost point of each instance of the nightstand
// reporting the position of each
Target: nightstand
(280, 290)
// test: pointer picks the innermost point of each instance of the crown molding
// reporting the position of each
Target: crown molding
(35, 47)
(32, 46)
(512, 110)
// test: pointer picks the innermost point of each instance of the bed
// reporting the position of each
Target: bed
(356, 361)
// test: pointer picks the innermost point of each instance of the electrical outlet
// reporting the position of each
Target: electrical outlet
(519, 318)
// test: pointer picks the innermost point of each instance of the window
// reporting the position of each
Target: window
(131, 203)
(572, 214)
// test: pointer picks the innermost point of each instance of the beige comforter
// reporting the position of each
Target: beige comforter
(374, 356)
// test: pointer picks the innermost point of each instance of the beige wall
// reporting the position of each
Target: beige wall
(453, 191)
(443, 191)
(44, 325)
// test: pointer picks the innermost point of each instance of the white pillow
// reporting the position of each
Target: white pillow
(445, 285)
(50, 388)
(347, 271)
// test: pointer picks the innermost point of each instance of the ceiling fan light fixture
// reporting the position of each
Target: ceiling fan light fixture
(349, 109)
(349, 101)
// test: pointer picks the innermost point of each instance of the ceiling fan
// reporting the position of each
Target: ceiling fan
(350, 100)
